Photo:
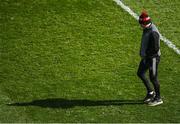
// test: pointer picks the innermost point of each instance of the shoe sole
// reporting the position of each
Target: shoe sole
(147, 101)
(155, 104)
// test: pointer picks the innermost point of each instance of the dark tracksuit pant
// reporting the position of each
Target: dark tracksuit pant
(150, 64)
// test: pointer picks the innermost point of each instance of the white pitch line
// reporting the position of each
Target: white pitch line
(164, 39)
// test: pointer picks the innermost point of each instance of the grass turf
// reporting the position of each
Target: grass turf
(76, 61)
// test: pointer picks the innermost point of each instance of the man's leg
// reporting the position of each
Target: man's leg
(153, 72)
(143, 67)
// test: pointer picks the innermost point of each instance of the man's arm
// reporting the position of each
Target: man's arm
(153, 45)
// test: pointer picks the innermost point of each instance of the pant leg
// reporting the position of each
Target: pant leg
(143, 67)
(153, 73)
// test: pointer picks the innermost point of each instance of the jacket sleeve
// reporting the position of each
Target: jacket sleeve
(153, 45)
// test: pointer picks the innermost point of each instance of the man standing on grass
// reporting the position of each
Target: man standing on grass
(150, 54)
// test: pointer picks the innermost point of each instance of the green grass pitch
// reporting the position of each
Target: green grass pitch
(76, 61)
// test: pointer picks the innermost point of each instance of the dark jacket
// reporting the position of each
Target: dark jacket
(150, 43)
(153, 45)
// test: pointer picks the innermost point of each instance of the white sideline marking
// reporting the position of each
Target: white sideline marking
(164, 39)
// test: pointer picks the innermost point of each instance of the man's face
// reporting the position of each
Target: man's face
(145, 26)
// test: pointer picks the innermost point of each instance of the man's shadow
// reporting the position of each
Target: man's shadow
(68, 103)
